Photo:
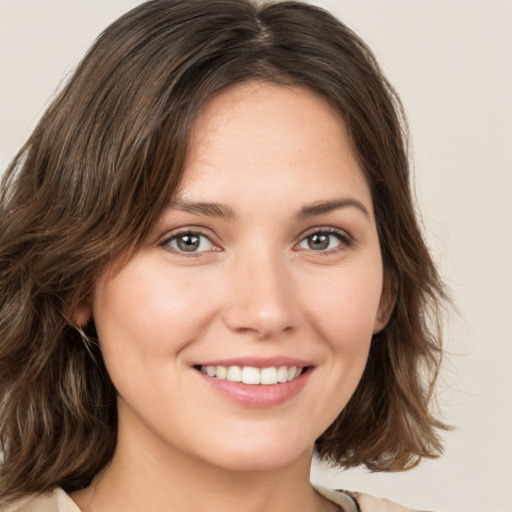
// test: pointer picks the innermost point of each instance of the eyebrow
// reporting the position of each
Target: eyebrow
(330, 205)
(207, 209)
(226, 212)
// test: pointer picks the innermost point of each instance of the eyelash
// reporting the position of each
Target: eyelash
(345, 241)
(176, 236)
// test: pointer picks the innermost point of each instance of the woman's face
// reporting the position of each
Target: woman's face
(265, 267)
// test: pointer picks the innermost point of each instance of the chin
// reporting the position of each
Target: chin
(259, 454)
(261, 462)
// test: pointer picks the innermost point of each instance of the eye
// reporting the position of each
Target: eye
(325, 240)
(189, 242)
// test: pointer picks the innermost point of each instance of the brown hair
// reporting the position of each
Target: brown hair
(98, 171)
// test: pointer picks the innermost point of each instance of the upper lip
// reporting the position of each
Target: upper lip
(257, 362)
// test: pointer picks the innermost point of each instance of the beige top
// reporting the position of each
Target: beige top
(59, 501)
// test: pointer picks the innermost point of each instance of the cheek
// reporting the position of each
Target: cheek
(345, 305)
(145, 313)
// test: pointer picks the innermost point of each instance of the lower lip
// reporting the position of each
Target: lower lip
(258, 396)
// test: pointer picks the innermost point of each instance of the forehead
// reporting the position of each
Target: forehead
(271, 139)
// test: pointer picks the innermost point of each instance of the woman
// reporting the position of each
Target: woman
(210, 268)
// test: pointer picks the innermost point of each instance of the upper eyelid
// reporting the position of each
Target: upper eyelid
(345, 238)
(214, 239)
(166, 240)
(188, 229)
(325, 229)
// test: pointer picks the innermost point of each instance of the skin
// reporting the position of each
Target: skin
(256, 287)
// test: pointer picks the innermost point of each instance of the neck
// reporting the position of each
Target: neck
(150, 475)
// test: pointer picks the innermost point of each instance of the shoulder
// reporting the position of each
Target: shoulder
(55, 501)
(360, 502)
(369, 503)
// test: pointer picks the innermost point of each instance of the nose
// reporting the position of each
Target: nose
(262, 297)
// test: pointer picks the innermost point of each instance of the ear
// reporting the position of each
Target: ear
(82, 315)
(386, 305)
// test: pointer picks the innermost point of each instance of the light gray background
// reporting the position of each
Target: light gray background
(451, 61)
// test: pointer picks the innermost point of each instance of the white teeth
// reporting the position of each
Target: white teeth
(251, 375)
(234, 374)
(282, 374)
(269, 375)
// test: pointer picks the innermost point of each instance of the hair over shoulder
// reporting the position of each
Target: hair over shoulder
(99, 169)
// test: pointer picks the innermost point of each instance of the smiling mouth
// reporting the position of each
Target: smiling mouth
(253, 376)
